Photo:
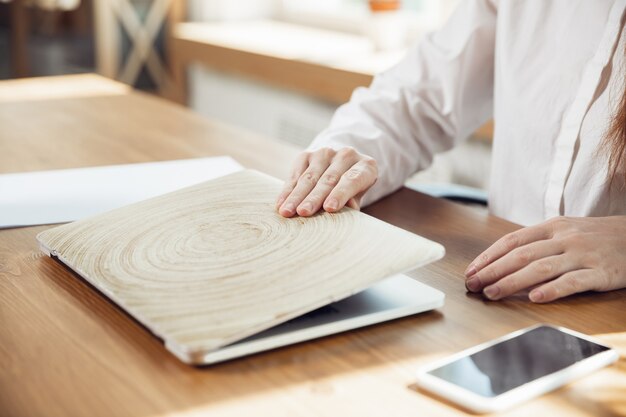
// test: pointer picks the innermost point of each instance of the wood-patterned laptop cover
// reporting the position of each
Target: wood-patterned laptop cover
(211, 264)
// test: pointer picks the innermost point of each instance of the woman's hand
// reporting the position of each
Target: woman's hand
(327, 179)
(559, 257)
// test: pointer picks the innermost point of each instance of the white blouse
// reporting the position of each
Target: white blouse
(549, 72)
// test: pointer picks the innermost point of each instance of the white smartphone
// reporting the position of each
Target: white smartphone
(515, 368)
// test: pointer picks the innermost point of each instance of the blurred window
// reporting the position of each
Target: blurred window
(352, 15)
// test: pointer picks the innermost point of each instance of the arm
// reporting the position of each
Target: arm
(436, 97)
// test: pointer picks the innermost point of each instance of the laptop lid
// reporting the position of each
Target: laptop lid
(211, 264)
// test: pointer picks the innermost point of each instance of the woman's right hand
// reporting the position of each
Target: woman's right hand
(327, 179)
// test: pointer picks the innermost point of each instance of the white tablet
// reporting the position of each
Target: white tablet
(515, 368)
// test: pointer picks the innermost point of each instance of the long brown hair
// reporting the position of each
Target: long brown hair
(614, 144)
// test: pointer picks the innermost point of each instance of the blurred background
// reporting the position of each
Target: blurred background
(276, 67)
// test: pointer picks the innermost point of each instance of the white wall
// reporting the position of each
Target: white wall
(271, 111)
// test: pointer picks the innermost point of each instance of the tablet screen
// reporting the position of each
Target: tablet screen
(517, 361)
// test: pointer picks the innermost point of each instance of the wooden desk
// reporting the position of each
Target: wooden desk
(65, 350)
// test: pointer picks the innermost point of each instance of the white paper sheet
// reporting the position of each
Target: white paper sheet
(47, 197)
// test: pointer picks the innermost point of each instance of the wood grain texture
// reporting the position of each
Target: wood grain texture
(66, 350)
(89, 120)
(208, 265)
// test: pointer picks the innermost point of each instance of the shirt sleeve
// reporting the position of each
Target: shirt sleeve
(439, 94)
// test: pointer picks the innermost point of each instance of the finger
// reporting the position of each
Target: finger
(354, 203)
(507, 243)
(538, 272)
(300, 164)
(356, 180)
(513, 261)
(571, 283)
(341, 163)
(318, 162)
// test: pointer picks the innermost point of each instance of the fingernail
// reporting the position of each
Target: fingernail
(492, 292)
(536, 296)
(471, 270)
(332, 204)
(306, 207)
(289, 207)
(473, 284)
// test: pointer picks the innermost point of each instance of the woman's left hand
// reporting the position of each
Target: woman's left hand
(562, 256)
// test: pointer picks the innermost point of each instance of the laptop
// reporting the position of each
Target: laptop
(216, 273)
